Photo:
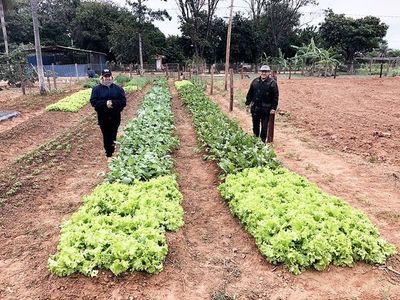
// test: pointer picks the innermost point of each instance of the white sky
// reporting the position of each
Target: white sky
(387, 10)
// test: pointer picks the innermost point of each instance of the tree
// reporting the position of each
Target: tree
(196, 18)
(57, 21)
(142, 13)
(93, 25)
(350, 36)
(124, 38)
(19, 23)
(4, 5)
(35, 21)
(281, 17)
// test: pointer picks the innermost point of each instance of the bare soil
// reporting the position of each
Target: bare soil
(211, 257)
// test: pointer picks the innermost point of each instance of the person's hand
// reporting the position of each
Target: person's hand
(247, 108)
(109, 103)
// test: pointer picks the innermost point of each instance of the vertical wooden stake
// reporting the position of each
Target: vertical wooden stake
(241, 73)
(380, 75)
(76, 72)
(212, 80)
(231, 89)
(54, 76)
(179, 73)
(271, 125)
(334, 75)
(48, 81)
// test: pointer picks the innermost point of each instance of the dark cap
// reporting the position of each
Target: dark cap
(106, 72)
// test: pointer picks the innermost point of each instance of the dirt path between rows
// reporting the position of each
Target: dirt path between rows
(368, 187)
(29, 221)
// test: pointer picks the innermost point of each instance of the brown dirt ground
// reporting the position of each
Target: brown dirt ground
(211, 257)
(372, 187)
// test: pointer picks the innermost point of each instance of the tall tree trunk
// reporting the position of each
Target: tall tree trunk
(38, 48)
(3, 27)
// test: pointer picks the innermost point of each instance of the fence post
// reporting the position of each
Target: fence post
(76, 71)
(179, 73)
(54, 76)
(22, 80)
(231, 90)
(130, 70)
(212, 80)
(290, 70)
(271, 125)
(166, 71)
(241, 72)
(380, 75)
(334, 75)
(190, 72)
(48, 80)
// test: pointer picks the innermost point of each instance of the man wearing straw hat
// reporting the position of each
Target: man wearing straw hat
(262, 97)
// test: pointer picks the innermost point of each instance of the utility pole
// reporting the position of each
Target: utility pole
(38, 48)
(228, 46)
(140, 37)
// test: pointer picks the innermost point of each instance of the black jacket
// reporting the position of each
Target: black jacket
(263, 95)
(102, 93)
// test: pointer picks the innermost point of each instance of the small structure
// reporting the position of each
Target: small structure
(64, 60)
(159, 64)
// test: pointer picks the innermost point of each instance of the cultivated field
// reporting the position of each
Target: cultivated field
(343, 135)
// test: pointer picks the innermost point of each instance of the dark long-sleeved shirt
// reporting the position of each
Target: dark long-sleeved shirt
(263, 94)
(102, 93)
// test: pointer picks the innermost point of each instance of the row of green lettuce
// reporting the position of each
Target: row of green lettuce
(121, 226)
(76, 101)
(292, 220)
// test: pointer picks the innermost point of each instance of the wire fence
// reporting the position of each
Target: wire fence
(61, 76)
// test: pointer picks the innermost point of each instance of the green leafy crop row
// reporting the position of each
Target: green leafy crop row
(225, 141)
(295, 223)
(120, 227)
(72, 103)
(140, 82)
(147, 140)
(291, 219)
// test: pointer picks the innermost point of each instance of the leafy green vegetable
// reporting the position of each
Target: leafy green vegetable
(225, 141)
(147, 140)
(295, 223)
(120, 227)
(72, 103)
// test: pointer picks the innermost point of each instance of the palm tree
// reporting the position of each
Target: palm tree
(38, 48)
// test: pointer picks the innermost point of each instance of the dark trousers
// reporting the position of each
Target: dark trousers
(109, 127)
(260, 118)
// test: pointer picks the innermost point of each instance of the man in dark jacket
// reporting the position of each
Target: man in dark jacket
(263, 97)
(108, 99)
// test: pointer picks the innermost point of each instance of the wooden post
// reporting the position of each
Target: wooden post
(228, 45)
(231, 90)
(22, 80)
(290, 70)
(166, 71)
(53, 72)
(388, 67)
(271, 125)
(241, 73)
(334, 74)
(380, 75)
(212, 80)
(370, 65)
(48, 80)
(130, 70)
(190, 72)
(179, 73)
(76, 71)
